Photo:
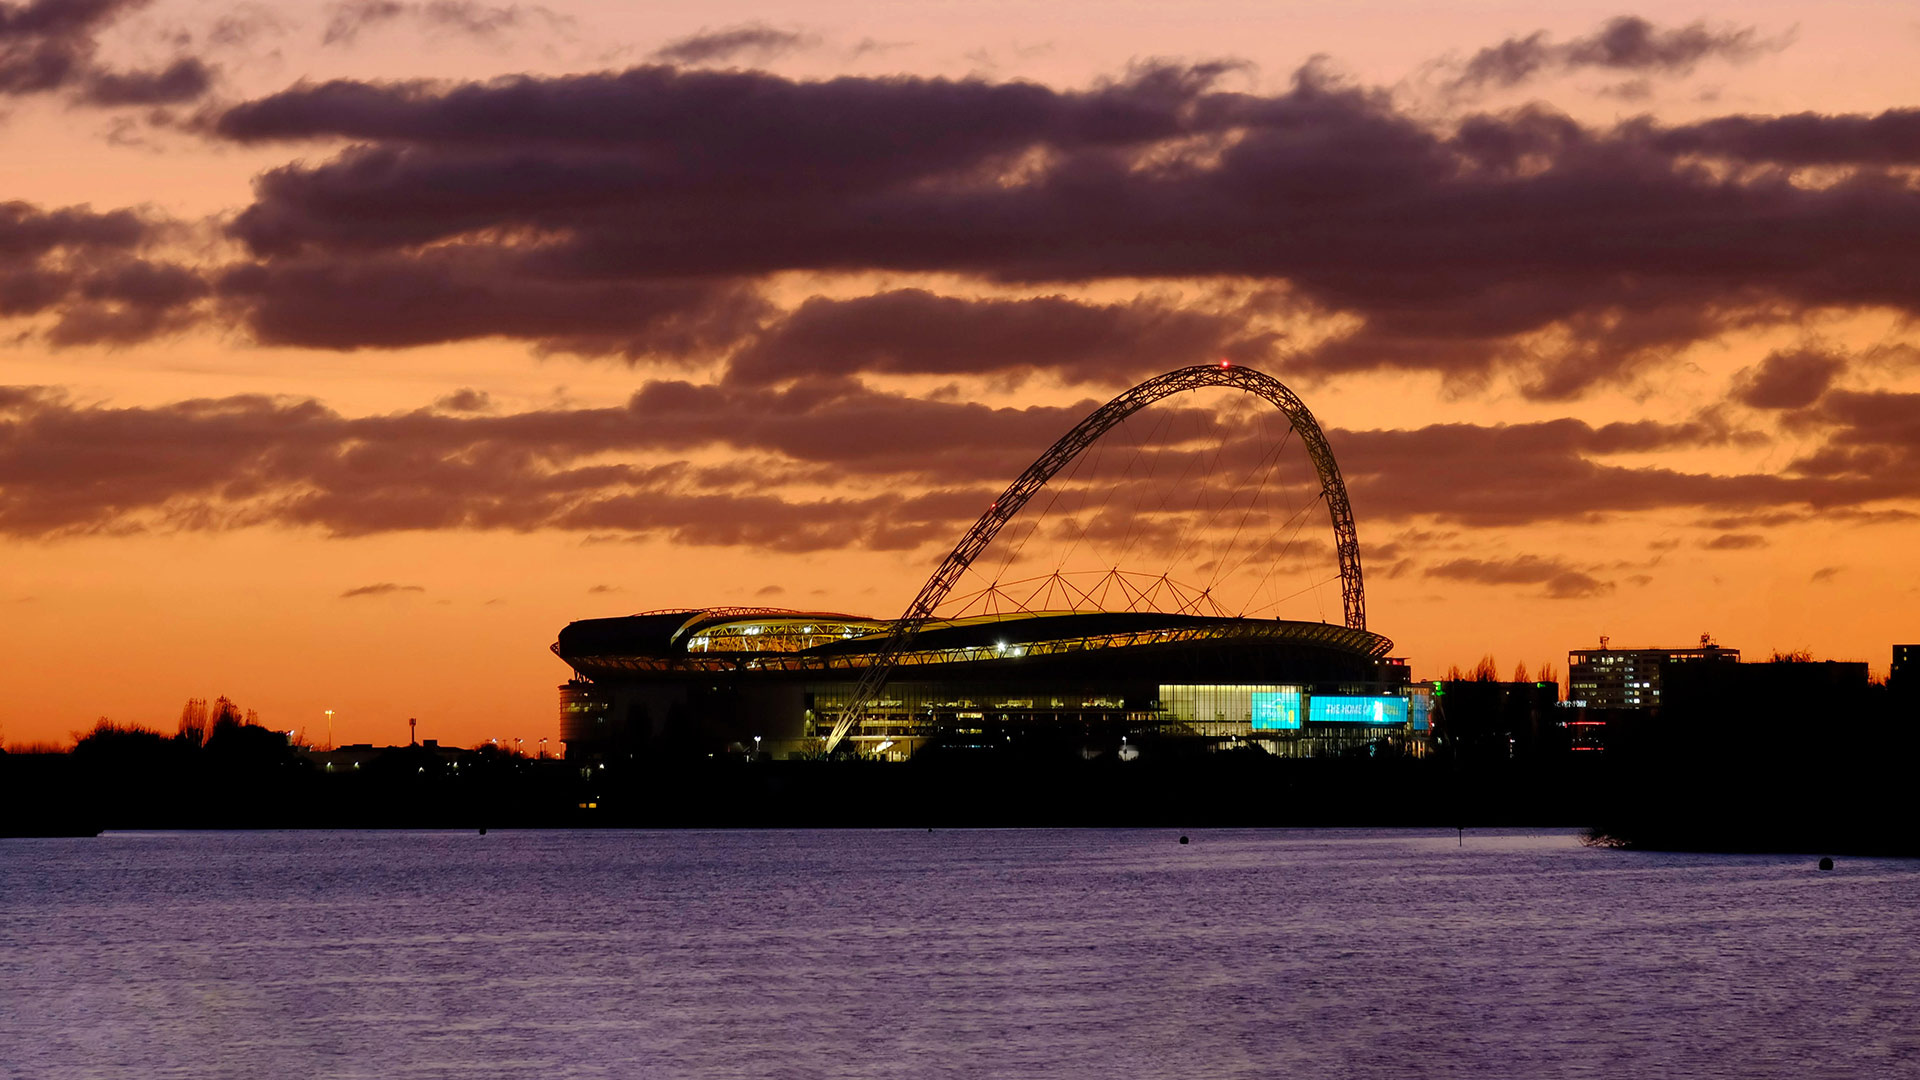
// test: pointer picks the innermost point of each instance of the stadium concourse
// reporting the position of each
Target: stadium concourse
(1172, 673)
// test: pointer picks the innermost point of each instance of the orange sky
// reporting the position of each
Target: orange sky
(348, 395)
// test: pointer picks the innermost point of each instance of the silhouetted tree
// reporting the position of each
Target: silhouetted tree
(1486, 670)
(223, 714)
(237, 741)
(193, 722)
(1520, 672)
(118, 743)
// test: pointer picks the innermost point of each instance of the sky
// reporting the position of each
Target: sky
(350, 350)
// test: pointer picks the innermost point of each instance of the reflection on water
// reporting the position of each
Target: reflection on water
(1340, 953)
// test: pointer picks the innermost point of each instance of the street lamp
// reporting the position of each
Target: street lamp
(329, 729)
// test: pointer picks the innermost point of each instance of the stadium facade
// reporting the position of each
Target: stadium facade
(764, 681)
(745, 680)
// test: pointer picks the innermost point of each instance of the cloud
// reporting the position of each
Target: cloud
(131, 301)
(757, 39)
(604, 589)
(87, 272)
(384, 588)
(1825, 574)
(1560, 581)
(186, 79)
(1735, 542)
(1624, 43)
(1788, 379)
(245, 24)
(69, 469)
(1887, 138)
(349, 18)
(912, 331)
(1869, 434)
(815, 465)
(466, 400)
(49, 45)
(28, 232)
(1524, 241)
(1510, 474)
(463, 292)
(1770, 519)
(468, 17)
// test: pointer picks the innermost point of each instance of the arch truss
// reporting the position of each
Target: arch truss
(1062, 453)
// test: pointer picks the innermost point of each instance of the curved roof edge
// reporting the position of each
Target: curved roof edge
(660, 642)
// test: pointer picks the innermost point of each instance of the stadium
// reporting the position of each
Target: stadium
(1162, 676)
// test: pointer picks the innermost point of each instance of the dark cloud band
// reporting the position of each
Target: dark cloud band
(745, 466)
(1449, 248)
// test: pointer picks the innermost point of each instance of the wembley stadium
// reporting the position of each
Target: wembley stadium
(771, 682)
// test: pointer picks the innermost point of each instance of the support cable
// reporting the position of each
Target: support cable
(1272, 460)
(1063, 452)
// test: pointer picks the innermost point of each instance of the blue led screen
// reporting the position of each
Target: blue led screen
(1276, 711)
(1422, 711)
(1374, 711)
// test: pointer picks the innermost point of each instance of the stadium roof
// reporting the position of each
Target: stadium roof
(735, 639)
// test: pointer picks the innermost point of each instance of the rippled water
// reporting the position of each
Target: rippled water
(977, 954)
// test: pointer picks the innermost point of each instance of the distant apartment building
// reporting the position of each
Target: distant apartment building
(1614, 678)
(1903, 677)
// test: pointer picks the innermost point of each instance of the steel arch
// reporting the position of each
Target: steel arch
(1060, 454)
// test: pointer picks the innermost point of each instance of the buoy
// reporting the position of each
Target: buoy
(1183, 839)
(1826, 863)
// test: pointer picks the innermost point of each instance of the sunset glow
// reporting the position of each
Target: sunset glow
(351, 350)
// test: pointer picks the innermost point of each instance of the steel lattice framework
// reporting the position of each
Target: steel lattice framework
(1060, 454)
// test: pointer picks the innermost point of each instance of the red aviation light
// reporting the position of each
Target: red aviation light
(1223, 362)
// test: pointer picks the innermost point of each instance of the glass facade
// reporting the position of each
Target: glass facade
(1371, 711)
(1225, 709)
(1300, 721)
(1276, 710)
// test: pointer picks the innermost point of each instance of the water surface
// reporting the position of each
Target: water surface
(1048, 953)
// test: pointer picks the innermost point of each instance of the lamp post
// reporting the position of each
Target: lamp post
(329, 729)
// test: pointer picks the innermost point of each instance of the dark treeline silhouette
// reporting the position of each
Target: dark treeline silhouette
(1791, 755)
(220, 736)
(125, 778)
(223, 769)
